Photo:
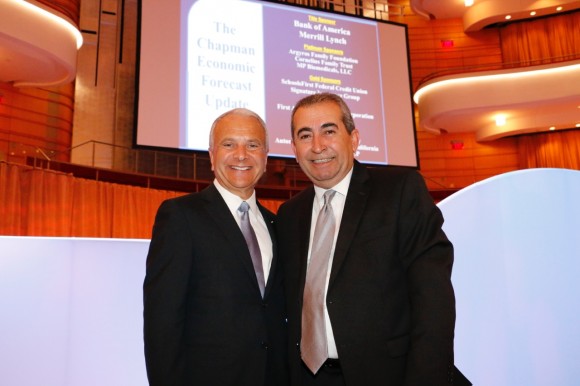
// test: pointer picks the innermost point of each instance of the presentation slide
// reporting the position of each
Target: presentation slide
(265, 57)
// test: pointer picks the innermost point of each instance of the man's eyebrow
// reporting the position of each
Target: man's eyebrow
(323, 126)
(328, 124)
(303, 129)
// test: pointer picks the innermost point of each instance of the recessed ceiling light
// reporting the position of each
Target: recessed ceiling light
(559, 9)
(468, 3)
(508, 17)
(533, 13)
(552, 128)
(578, 125)
(500, 120)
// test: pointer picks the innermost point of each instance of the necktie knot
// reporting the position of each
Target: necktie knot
(328, 196)
(244, 207)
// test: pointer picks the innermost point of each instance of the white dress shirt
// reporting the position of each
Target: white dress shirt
(337, 204)
(258, 223)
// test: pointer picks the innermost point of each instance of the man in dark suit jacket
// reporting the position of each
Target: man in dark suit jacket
(205, 319)
(389, 305)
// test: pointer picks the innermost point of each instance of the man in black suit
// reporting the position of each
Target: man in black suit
(387, 303)
(208, 320)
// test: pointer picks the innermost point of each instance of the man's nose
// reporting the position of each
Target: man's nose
(241, 153)
(318, 144)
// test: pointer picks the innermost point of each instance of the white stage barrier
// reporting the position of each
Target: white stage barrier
(71, 312)
(517, 278)
(71, 309)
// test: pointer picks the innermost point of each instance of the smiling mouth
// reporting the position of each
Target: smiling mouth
(321, 161)
(241, 168)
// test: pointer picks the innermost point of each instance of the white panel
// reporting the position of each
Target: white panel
(106, 336)
(71, 312)
(517, 264)
(34, 305)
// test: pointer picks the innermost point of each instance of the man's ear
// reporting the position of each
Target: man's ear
(211, 158)
(355, 140)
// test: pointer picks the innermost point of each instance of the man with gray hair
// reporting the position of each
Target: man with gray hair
(214, 311)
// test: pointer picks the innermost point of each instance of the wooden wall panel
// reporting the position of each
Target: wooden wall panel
(35, 120)
(96, 97)
(125, 85)
(446, 168)
(476, 51)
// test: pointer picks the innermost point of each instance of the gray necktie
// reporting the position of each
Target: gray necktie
(252, 242)
(314, 348)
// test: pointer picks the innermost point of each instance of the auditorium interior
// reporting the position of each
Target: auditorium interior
(496, 114)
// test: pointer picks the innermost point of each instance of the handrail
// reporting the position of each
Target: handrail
(92, 141)
(39, 150)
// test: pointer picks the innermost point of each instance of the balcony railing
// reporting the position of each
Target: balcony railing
(498, 66)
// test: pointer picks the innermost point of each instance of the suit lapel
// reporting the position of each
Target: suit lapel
(268, 219)
(304, 213)
(356, 201)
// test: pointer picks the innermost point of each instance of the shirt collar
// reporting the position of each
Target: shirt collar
(233, 201)
(341, 187)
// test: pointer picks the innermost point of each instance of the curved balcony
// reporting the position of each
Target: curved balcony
(38, 45)
(503, 102)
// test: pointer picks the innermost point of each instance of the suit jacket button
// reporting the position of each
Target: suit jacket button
(265, 345)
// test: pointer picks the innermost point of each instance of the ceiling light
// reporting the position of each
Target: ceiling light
(508, 17)
(533, 13)
(559, 9)
(552, 128)
(578, 125)
(468, 3)
(500, 120)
